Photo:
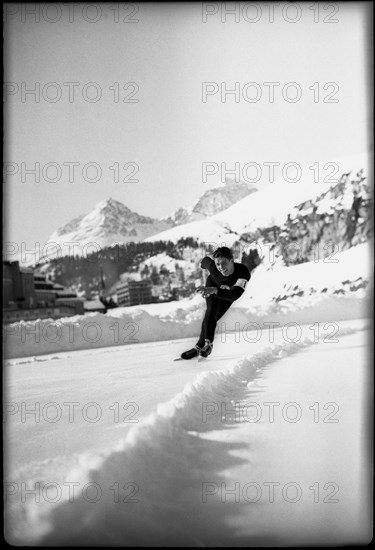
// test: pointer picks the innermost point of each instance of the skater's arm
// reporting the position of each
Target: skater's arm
(230, 295)
(234, 292)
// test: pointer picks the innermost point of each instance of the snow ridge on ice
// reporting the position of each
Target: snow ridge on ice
(153, 468)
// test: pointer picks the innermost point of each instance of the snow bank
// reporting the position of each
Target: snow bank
(96, 330)
(329, 273)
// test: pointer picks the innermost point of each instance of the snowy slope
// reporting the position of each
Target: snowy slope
(204, 231)
(269, 206)
(211, 202)
(169, 263)
(326, 273)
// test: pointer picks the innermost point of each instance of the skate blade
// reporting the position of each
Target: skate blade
(199, 359)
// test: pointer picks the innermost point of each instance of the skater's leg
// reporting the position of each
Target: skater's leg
(209, 321)
(208, 325)
(224, 305)
(209, 305)
(215, 310)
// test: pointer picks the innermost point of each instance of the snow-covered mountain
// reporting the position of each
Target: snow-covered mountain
(271, 205)
(212, 202)
(110, 222)
(306, 212)
(268, 208)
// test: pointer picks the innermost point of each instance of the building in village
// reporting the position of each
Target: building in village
(29, 296)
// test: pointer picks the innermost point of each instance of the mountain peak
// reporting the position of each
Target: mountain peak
(110, 221)
(110, 204)
(212, 201)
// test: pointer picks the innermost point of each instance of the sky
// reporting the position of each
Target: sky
(172, 64)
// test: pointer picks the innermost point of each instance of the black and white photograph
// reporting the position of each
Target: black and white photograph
(188, 274)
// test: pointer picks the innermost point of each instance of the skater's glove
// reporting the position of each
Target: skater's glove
(209, 290)
(206, 291)
(206, 262)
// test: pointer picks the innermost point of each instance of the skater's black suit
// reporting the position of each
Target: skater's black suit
(218, 304)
